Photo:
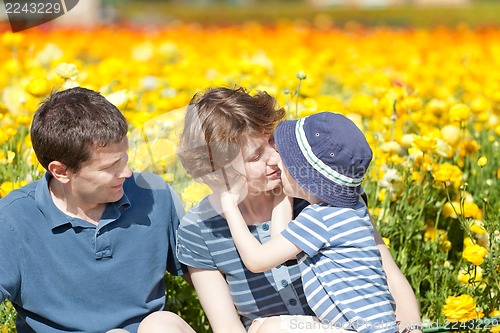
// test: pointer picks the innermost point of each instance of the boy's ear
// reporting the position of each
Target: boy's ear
(59, 171)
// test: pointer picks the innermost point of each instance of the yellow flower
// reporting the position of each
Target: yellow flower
(10, 39)
(461, 308)
(495, 329)
(470, 276)
(67, 71)
(193, 193)
(119, 98)
(437, 235)
(442, 175)
(482, 161)
(8, 187)
(407, 139)
(38, 87)
(468, 242)
(10, 157)
(155, 157)
(459, 112)
(382, 194)
(448, 173)
(425, 144)
(472, 210)
(436, 106)
(451, 134)
(387, 242)
(390, 147)
(475, 254)
(362, 104)
(477, 227)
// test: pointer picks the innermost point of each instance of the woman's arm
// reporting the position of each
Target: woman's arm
(407, 310)
(216, 301)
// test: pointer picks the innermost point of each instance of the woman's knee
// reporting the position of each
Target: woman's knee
(163, 322)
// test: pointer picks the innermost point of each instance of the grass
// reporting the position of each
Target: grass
(479, 14)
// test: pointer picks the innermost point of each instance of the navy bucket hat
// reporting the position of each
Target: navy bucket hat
(326, 154)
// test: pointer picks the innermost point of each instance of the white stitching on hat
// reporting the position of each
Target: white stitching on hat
(319, 165)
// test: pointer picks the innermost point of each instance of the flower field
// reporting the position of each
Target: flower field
(428, 101)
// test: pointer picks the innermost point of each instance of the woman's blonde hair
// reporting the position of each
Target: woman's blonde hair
(215, 123)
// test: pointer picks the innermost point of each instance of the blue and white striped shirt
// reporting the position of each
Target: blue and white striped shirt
(344, 281)
(205, 242)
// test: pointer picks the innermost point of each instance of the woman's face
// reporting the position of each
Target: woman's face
(260, 163)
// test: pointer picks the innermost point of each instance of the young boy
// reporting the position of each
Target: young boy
(324, 159)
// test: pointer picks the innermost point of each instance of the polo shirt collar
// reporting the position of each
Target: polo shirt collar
(56, 218)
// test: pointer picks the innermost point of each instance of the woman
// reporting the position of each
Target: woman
(227, 132)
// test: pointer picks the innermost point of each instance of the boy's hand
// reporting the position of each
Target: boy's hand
(235, 191)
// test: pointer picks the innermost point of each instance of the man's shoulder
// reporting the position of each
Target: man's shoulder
(18, 198)
(146, 181)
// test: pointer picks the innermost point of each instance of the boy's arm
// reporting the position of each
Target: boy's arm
(256, 257)
(282, 213)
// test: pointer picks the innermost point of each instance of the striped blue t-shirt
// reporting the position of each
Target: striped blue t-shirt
(344, 281)
(204, 241)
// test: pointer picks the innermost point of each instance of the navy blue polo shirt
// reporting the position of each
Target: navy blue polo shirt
(64, 274)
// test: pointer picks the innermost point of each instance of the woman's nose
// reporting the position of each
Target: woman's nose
(274, 157)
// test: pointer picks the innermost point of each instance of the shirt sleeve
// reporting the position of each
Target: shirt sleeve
(174, 266)
(192, 249)
(11, 261)
(307, 231)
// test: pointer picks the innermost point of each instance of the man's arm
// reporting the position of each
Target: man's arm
(257, 257)
(216, 301)
(10, 262)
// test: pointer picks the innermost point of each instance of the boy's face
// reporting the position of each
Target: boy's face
(290, 186)
(100, 179)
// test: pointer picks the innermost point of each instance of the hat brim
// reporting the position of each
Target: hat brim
(306, 175)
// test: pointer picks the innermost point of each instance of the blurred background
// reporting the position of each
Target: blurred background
(369, 12)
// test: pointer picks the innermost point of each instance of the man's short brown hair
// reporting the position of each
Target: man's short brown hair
(70, 123)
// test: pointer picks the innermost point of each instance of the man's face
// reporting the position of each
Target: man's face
(100, 179)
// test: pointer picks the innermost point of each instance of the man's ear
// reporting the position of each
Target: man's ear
(59, 171)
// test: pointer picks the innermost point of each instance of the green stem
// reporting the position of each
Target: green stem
(297, 100)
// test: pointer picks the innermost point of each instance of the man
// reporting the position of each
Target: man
(85, 248)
